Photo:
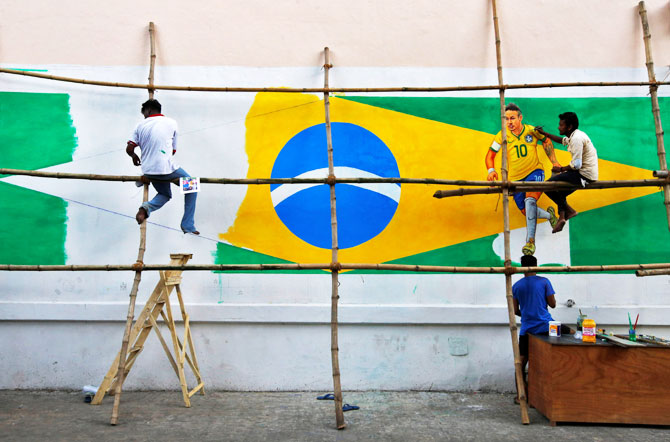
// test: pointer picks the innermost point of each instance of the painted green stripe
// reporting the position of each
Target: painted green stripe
(36, 130)
(229, 254)
(28, 70)
(476, 253)
(634, 231)
(622, 129)
(36, 233)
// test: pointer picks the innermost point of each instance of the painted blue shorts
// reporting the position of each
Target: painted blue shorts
(519, 197)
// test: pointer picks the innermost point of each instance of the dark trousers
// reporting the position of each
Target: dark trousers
(559, 196)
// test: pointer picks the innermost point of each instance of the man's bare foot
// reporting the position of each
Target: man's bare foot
(195, 232)
(569, 214)
(141, 215)
(559, 226)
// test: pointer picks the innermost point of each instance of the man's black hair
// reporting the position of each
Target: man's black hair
(513, 107)
(152, 105)
(570, 119)
(528, 261)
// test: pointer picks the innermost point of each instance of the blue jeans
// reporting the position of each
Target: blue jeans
(164, 194)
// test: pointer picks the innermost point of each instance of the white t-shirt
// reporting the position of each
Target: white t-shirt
(584, 155)
(157, 137)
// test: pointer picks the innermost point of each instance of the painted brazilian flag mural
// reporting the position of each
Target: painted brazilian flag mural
(284, 136)
(416, 137)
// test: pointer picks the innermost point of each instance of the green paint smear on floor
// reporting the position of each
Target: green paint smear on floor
(622, 129)
(229, 254)
(37, 235)
(36, 132)
(634, 231)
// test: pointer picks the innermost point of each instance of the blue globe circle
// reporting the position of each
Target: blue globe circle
(363, 210)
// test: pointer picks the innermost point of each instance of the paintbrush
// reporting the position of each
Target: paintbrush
(636, 318)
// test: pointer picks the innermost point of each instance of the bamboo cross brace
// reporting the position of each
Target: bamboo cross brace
(488, 186)
(334, 346)
(655, 109)
(335, 89)
(340, 267)
(508, 261)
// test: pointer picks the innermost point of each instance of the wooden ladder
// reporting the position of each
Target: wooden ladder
(159, 304)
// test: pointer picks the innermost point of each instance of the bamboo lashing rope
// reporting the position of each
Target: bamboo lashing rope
(490, 186)
(656, 111)
(334, 346)
(518, 369)
(328, 266)
(335, 89)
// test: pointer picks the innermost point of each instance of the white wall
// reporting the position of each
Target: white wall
(267, 332)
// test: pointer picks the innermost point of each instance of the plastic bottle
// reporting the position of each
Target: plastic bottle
(589, 330)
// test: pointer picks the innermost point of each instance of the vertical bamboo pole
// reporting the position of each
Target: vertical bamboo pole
(655, 109)
(334, 349)
(121, 372)
(152, 61)
(508, 260)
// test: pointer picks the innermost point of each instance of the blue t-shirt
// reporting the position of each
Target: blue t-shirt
(531, 292)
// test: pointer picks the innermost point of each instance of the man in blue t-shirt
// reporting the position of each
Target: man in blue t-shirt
(532, 295)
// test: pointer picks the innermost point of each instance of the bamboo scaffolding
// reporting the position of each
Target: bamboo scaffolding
(131, 314)
(518, 369)
(334, 346)
(490, 186)
(655, 109)
(138, 274)
(657, 272)
(526, 186)
(335, 89)
(152, 59)
(328, 266)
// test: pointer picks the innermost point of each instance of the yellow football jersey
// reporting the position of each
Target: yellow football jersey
(521, 151)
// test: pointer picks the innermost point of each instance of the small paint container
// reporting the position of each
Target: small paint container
(555, 328)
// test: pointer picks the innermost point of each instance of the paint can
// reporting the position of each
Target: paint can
(555, 328)
(589, 330)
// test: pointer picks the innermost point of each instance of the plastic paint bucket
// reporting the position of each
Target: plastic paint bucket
(589, 330)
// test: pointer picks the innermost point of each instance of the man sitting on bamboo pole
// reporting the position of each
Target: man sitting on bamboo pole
(583, 167)
(156, 137)
(524, 165)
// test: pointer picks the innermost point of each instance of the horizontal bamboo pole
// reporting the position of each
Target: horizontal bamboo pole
(325, 180)
(660, 173)
(490, 186)
(333, 89)
(338, 266)
(526, 186)
(656, 272)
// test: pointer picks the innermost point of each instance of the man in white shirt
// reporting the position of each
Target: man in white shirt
(156, 137)
(583, 167)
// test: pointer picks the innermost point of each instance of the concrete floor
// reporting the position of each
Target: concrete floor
(219, 416)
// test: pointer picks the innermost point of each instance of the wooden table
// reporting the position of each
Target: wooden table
(572, 381)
